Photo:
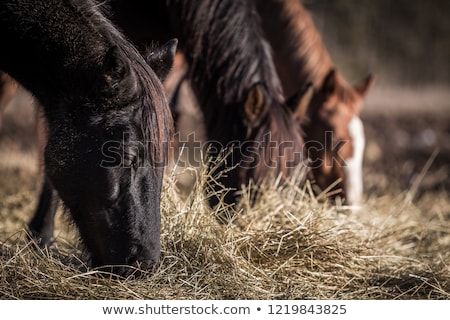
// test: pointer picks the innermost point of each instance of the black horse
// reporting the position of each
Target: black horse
(104, 105)
(234, 79)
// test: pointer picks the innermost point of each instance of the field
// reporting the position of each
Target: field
(287, 245)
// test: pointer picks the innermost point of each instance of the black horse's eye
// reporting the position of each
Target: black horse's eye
(130, 160)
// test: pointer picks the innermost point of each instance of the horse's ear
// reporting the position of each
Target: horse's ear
(330, 84)
(299, 102)
(365, 86)
(255, 106)
(114, 67)
(161, 59)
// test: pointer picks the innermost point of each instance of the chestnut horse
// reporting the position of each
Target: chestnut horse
(334, 133)
(105, 107)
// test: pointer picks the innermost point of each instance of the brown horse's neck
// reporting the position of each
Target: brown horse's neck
(303, 58)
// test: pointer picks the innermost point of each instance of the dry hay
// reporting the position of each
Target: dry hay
(282, 244)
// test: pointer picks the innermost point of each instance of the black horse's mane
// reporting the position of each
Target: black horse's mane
(156, 123)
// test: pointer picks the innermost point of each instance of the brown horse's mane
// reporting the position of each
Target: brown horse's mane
(305, 49)
(157, 122)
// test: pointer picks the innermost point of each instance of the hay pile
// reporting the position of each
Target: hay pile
(283, 244)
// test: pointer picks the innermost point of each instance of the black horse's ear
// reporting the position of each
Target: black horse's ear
(114, 67)
(255, 106)
(161, 58)
(299, 102)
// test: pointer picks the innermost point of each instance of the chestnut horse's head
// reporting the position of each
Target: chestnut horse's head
(334, 136)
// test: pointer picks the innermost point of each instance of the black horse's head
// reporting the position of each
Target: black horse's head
(105, 156)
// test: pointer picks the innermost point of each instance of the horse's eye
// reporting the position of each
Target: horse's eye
(130, 160)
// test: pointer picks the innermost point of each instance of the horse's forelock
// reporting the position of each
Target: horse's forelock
(156, 119)
(157, 122)
(305, 47)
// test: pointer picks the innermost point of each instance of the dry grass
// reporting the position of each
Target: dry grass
(285, 244)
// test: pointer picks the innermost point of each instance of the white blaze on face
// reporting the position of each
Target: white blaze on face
(353, 168)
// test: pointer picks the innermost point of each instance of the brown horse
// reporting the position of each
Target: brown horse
(334, 133)
(231, 70)
(8, 89)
